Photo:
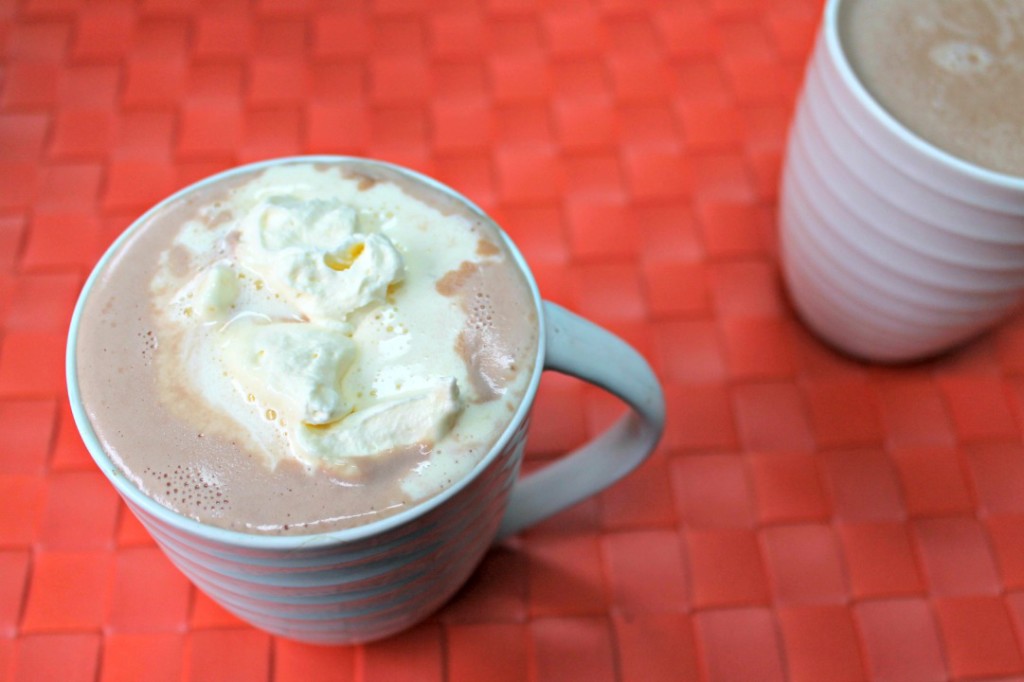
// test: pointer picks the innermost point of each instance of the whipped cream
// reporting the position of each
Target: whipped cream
(296, 366)
(423, 416)
(311, 253)
(313, 324)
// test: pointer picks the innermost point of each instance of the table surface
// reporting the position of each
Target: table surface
(806, 517)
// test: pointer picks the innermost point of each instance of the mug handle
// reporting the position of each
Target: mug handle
(581, 349)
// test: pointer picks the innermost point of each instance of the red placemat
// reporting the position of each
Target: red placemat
(806, 517)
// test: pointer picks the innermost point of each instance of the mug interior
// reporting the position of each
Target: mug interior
(834, 44)
(286, 542)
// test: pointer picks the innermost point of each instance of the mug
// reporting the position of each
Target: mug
(374, 580)
(892, 250)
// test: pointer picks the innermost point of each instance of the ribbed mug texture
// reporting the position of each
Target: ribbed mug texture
(344, 591)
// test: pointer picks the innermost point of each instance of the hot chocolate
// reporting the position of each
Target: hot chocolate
(951, 71)
(305, 347)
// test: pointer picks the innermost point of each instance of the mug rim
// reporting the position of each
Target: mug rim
(319, 539)
(834, 44)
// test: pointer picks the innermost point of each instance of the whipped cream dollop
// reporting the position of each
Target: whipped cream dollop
(296, 366)
(310, 321)
(312, 253)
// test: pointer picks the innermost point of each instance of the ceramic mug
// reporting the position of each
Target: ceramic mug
(892, 249)
(377, 579)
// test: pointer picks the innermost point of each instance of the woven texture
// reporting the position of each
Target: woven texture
(806, 517)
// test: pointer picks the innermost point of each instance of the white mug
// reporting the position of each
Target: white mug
(892, 249)
(375, 580)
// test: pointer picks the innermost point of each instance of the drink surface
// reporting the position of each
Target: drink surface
(952, 71)
(305, 348)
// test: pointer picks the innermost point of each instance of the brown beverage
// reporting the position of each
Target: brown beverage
(305, 348)
(952, 71)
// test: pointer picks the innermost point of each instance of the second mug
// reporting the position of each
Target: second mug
(892, 248)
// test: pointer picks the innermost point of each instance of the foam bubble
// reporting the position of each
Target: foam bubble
(961, 58)
(481, 312)
(190, 487)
